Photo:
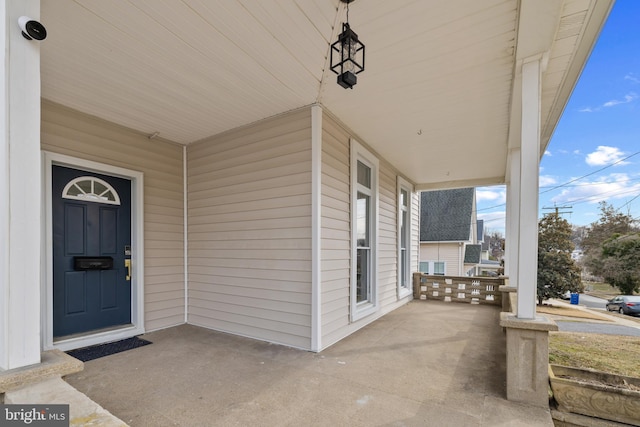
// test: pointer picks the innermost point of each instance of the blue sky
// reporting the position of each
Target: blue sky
(594, 154)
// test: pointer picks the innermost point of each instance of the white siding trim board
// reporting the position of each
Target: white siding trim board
(316, 228)
(185, 214)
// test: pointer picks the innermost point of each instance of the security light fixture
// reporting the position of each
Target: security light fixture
(348, 52)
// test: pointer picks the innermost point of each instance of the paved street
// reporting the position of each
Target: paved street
(592, 302)
(598, 328)
(620, 325)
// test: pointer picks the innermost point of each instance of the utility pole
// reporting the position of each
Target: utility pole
(557, 209)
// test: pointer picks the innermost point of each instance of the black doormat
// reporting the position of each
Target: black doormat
(101, 350)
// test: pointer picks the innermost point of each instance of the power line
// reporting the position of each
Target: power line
(566, 184)
(491, 207)
(583, 199)
(588, 184)
(593, 197)
(592, 173)
(629, 202)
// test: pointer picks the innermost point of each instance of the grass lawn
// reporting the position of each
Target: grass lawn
(600, 290)
(571, 312)
(609, 353)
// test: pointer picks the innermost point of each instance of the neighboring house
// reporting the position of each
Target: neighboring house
(482, 237)
(449, 232)
(195, 162)
(487, 266)
(577, 254)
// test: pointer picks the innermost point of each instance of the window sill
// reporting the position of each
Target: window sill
(404, 292)
(362, 311)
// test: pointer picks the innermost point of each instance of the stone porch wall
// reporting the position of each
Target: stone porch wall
(474, 290)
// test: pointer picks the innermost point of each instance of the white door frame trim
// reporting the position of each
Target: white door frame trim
(137, 255)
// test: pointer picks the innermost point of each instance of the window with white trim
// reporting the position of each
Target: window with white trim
(424, 267)
(91, 189)
(435, 268)
(364, 231)
(404, 237)
(438, 268)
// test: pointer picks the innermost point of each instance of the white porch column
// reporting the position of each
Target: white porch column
(512, 234)
(507, 230)
(20, 188)
(527, 263)
(527, 335)
(513, 214)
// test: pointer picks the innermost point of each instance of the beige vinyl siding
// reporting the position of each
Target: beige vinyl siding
(415, 232)
(249, 230)
(69, 132)
(336, 237)
(387, 237)
(336, 231)
(449, 252)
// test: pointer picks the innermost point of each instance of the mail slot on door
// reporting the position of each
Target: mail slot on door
(92, 263)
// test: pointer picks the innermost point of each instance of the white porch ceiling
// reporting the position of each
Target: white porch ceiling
(437, 97)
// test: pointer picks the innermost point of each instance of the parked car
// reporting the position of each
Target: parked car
(625, 304)
(566, 295)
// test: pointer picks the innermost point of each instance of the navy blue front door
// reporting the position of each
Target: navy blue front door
(91, 243)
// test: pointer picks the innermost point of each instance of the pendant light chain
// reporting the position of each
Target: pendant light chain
(347, 12)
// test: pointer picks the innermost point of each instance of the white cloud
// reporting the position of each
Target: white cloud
(632, 78)
(494, 221)
(605, 155)
(577, 152)
(489, 198)
(495, 194)
(630, 97)
(546, 180)
(612, 187)
(548, 153)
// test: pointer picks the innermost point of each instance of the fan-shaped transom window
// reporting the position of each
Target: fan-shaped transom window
(91, 189)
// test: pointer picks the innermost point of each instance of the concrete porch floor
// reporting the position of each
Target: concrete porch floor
(425, 364)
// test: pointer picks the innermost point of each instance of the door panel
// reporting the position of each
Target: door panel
(75, 224)
(108, 230)
(88, 300)
(75, 293)
(108, 292)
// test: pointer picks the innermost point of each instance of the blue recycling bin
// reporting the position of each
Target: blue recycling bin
(575, 298)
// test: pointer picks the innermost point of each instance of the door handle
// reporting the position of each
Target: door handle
(127, 265)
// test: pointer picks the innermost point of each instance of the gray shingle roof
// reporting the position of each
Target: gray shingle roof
(445, 215)
(472, 254)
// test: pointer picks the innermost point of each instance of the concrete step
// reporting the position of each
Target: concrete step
(82, 410)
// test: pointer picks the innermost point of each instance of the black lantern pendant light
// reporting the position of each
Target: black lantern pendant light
(348, 52)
